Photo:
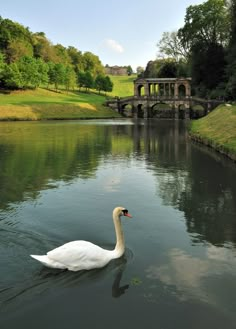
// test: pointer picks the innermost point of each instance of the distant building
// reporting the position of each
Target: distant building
(116, 70)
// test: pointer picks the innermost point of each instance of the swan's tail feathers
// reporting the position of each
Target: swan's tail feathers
(46, 261)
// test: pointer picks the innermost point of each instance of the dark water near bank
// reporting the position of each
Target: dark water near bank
(59, 181)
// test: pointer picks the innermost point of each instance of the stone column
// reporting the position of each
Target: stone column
(146, 89)
(176, 94)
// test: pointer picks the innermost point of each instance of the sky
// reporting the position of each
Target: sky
(119, 32)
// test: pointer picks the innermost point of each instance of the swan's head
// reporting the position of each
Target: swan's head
(121, 211)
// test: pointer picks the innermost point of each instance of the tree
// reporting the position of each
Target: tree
(88, 80)
(161, 68)
(171, 45)
(28, 69)
(99, 83)
(207, 23)
(231, 58)
(206, 30)
(11, 34)
(12, 78)
(43, 48)
(61, 55)
(208, 64)
(85, 80)
(92, 64)
(168, 70)
(103, 83)
(17, 49)
(56, 74)
(108, 84)
(80, 79)
(70, 78)
(140, 71)
(2, 64)
(76, 58)
(129, 70)
(33, 71)
(42, 72)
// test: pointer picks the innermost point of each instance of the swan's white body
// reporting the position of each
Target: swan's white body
(84, 255)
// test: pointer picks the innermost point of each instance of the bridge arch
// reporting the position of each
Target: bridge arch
(151, 92)
(162, 110)
(140, 111)
(140, 90)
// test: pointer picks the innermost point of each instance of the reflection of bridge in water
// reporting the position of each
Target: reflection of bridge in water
(162, 98)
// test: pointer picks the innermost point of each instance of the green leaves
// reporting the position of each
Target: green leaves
(207, 22)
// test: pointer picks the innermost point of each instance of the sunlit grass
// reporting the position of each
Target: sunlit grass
(219, 127)
(122, 85)
(45, 104)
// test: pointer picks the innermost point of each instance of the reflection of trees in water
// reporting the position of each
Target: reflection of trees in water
(210, 204)
(33, 155)
(191, 180)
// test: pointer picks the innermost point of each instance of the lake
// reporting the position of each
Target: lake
(59, 182)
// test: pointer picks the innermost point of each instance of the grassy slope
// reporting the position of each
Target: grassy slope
(218, 129)
(123, 85)
(44, 104)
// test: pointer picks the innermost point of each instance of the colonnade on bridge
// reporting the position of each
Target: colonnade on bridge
(162, 98)
(162, 87)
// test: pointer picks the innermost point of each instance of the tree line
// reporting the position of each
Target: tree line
(28, 60)
(204, 49)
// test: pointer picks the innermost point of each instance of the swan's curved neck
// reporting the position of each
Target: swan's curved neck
(120, 240)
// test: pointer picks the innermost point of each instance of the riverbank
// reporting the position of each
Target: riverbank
(43, 104)
(217, 130)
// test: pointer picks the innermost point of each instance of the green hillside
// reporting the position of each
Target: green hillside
(42, 104)
(122, 85)
(218, 129)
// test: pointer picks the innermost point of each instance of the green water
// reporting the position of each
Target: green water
(59, 181)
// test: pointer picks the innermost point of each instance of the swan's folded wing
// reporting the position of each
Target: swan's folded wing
(80, 255)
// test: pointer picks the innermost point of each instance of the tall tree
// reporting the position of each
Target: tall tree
(129, 70)
(207, 23)
(70, 78)
(56, 74)
(11, 34)
(92, 64)
(76, 58)
(231, 58)
(43, 48)
(206, 30)
(171, 45)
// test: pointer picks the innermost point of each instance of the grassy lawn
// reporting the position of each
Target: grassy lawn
(42, 104)
(218, 128)
(123, 85)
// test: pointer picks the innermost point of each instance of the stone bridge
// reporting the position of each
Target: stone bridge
(164, 98)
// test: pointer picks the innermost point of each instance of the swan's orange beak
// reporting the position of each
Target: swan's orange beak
(128, 215)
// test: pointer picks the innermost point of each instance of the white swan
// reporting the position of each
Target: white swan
(84, 255)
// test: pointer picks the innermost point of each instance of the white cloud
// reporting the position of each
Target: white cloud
(114, 45)
(189, 274)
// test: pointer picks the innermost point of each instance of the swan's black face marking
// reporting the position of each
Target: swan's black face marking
(126, 213)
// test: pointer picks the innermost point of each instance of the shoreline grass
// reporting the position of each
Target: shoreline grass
(217, 130)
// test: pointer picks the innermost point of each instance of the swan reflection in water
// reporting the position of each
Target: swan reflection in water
(47, 281)
(118, 291)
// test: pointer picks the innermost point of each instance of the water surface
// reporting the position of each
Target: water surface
(59, 181)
